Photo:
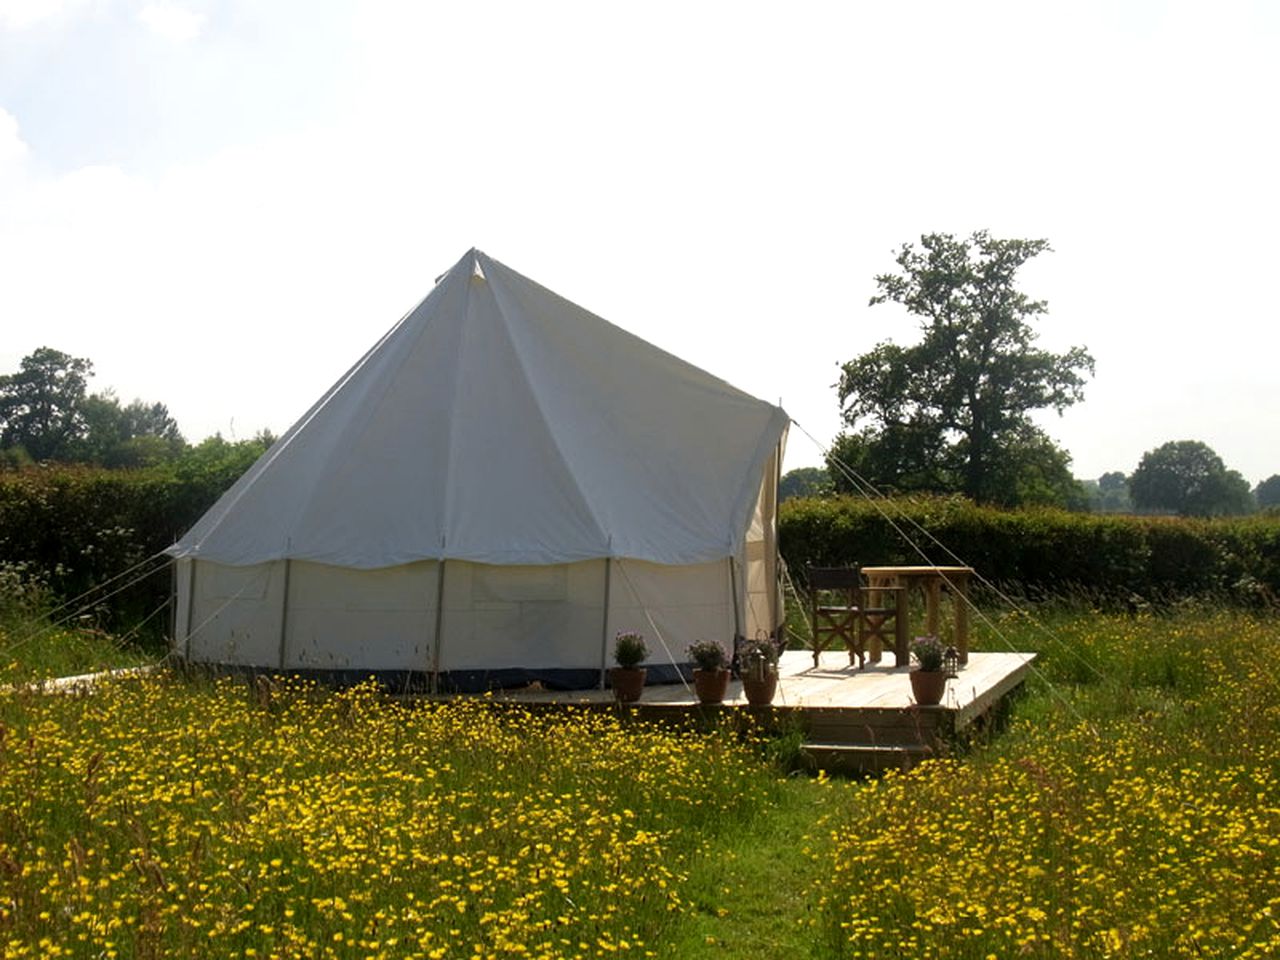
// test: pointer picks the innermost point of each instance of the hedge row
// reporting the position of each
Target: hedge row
(1043, 551)
(75, 528)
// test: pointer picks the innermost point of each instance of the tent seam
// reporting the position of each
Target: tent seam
(442, 549)
(547, 421)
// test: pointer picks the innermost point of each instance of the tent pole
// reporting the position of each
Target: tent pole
(173, 602)
(435, 655)
(284, 611)
(191, 606)
(733, 586)
(777, 604)
(604, 626)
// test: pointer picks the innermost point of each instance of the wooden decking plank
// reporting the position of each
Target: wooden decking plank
(858, 719)
(832, 685)
(981, 702)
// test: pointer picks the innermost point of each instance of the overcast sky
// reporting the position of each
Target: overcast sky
(223, 204)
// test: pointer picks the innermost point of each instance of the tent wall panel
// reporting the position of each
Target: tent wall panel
(237, 613)
(763, 588)
(182, 611)
(686, 603)
(343, 619)
(523, 617)
(757, 619)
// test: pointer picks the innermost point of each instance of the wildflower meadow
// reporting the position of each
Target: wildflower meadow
(1130, 807)
(164, 818)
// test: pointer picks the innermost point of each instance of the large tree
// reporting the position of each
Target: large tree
(1267, 493)
(136, 435)
(952, 412)
(41, 404)
(1188, 478)
(1113, 493)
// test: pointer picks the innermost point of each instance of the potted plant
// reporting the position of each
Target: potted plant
(928, 679)
(710, 671)
(627, 678)
(758, 662)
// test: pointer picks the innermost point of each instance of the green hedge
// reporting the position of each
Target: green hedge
(78, 527)
(74, 528)
(1040, 550)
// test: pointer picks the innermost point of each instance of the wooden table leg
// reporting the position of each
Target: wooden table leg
(901, 654)
(875, 598)
(961, 601)
(932, 593)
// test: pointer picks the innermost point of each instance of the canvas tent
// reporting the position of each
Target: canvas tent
(497, 487)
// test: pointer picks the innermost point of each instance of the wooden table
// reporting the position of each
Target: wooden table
(931, 580)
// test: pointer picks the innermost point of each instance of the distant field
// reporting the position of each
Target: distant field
(1131, 808)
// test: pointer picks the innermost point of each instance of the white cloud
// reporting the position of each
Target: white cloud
(171, 21)
(13, 151)
(20, 14)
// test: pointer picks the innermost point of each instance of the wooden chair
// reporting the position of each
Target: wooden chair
(841, 607)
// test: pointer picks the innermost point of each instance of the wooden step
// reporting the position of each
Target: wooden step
(866, 758)
(879, 727)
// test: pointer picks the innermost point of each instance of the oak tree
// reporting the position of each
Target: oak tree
(951, 413)
(1188, 478)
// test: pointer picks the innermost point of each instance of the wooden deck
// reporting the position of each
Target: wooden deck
(853, 720)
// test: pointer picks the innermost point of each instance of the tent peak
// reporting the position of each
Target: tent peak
(477, 272)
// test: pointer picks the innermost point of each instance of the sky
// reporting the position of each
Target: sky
(223, 204)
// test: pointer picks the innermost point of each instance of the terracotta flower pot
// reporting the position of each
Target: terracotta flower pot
(760, 691)
(627, 683)
(711, 685)
(928, 686)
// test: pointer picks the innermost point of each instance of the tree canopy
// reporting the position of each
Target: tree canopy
(46, 413)
(41, 406)
(951, 413)
(1110, 493)
(1267, 493)
(804, 482)
(1188, 478)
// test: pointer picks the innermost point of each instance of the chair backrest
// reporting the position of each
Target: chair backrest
(834, 578)
(833, 585)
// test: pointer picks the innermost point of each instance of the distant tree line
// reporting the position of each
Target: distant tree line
(1183, 478)
(48, 414)
(1187, 478)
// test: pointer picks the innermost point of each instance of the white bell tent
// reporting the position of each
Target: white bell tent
(491, 493)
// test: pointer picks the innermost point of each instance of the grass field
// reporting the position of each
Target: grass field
(39, 640)
(1130, 808)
